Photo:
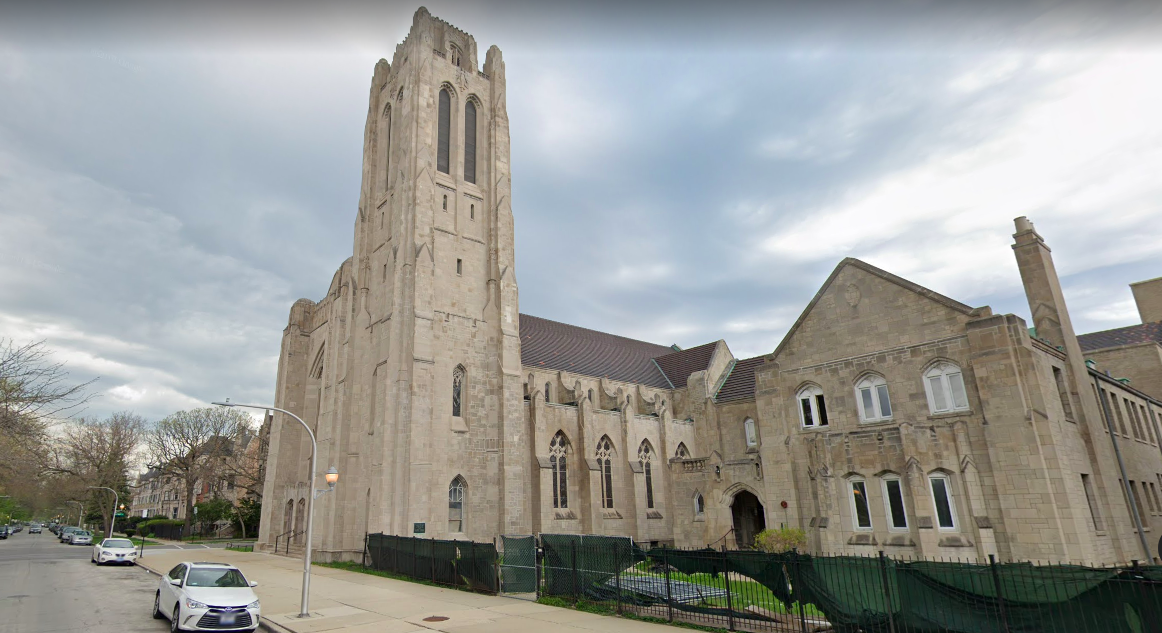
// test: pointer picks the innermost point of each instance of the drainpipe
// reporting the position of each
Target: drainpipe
(1131, 498)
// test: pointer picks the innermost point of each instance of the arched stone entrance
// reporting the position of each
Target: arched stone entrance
(749, 518)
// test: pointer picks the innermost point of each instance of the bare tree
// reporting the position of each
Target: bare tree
(33, 388)
(33, 391)
(98, 453)
(190, 446)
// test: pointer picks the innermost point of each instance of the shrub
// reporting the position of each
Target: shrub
(777, 541)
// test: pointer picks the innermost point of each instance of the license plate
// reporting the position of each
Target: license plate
(228, 619)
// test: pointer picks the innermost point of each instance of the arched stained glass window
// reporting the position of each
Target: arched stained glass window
(457, 391)
(645, 456)
(456, 505)
(605, 464)
(558, 454)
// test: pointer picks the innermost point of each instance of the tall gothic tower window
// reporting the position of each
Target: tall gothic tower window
(558, 452)
(457, 390)
(445, 136)
(605, 466)
(470, 142)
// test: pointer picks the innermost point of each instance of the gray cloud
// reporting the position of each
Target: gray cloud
(171, 183)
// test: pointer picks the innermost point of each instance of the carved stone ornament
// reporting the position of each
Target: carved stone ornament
(852, 295)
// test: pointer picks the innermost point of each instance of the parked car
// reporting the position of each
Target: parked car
(207, 596)
(81, 537)
(67, 533)
(114, 550)
(34, 529)
(16, 528)
(3, 531)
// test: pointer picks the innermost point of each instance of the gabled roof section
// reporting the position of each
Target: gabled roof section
(878, 272)
(678, 366)
(740, 384)
(551, 345)
(1132, 335)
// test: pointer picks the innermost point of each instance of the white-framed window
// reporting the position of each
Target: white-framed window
(942, 501)
(944, 384)
(699, 505)
(860, 508)
(871, 395)
(894, 502)
(752, 433)
(812, 407)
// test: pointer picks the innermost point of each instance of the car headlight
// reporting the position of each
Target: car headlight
(253, 605)
(194, 604)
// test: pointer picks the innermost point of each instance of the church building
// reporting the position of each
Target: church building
(890, 417)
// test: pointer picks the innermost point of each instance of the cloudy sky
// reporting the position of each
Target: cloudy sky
(171, 180)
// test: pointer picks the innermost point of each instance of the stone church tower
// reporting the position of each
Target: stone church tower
(409, 369)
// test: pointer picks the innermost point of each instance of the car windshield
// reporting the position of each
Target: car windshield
(118, 542)
(205, 577)
(82, 533)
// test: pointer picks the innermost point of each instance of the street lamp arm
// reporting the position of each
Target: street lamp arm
(303, 612)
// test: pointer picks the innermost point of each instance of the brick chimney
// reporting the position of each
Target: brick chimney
(1148, 296)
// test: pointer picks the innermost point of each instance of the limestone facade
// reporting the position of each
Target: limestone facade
(889, 418)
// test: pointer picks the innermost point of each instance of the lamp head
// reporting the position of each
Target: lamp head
(225, 403)
(332, 476)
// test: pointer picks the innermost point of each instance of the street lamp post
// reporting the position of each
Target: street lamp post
(332, 478)
(116, 501)
(81, 516)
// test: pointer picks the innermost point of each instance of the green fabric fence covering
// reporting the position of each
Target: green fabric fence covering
(873, 595)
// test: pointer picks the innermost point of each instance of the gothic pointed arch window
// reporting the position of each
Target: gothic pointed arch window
(454, 55)
(444, 135)
(456, 492)
(558, 462)
(605, 467)
(682, 452)
(470, 141)
(458, 391)
(548, 394)
(645, 455)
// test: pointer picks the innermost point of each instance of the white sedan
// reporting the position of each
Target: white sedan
(114, 550)
(207, 597)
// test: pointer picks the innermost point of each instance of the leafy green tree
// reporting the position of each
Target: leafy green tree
(247, 512)
(213, 511)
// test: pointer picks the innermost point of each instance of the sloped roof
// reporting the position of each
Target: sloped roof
(679, 365)
(878, 272)
(552, 345)
(1144, 333)
(740, 384)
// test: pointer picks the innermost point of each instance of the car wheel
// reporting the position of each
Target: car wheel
(157, 614)
(177, 614)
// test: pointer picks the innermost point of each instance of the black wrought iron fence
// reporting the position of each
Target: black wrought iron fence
(454, 563)
(755, 591)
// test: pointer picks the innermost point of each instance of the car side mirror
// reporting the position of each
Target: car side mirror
(253, 583)
(177, 582)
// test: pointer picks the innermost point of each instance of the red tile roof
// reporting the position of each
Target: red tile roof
(679, 365)
(740, 384)
(1131, 335)
(552, 345)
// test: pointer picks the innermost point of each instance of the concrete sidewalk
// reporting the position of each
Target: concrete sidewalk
(351, 602)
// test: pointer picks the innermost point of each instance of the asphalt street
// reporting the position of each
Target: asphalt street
(47, 586)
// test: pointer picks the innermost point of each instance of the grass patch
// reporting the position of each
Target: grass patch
(743, 593)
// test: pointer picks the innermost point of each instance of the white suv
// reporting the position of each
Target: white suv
(207, 597)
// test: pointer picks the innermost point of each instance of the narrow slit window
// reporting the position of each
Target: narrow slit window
(470, 141)
(472, 212)
(1063, 393)
(1094, 509)
(645, 456)
(443, 134)
(445, 203)
(457, 390)
(605, 465)
(558, 452)
(752, 434)
(456, 506)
